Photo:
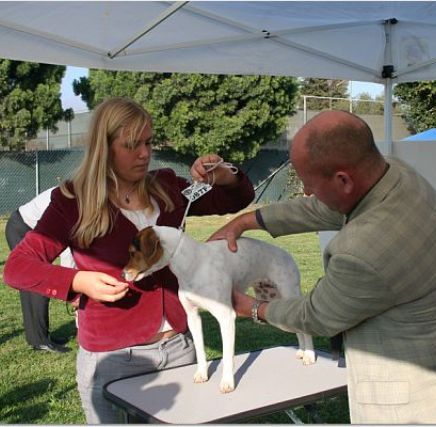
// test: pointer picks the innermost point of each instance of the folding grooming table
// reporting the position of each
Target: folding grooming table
(268, 380)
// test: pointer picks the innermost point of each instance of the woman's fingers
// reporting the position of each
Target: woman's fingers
(99, 286)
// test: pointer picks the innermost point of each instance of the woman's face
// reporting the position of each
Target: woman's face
(130, 160)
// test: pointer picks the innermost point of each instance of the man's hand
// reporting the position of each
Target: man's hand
(234, 229)
(99, 286)
(243, 303)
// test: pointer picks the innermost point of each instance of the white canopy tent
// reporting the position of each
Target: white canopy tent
(378, 41)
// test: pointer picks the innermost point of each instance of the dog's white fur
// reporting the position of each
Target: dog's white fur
(207, 272)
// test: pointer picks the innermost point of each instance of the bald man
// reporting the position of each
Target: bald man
(379, 286)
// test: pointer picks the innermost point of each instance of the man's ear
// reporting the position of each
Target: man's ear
(344, 182)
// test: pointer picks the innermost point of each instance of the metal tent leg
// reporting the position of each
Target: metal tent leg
(311, 409)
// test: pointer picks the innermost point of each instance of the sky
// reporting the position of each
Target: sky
(69, 100)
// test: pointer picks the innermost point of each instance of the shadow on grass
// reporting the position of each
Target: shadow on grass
(65, 390)
(11, 335)
(19, 399)
(67, 330)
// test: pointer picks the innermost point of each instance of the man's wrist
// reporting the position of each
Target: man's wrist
(259, 219)
(255, 315)
(248, 221)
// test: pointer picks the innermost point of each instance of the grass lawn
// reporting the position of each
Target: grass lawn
(40, 387)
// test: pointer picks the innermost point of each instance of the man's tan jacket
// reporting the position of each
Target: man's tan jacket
(380, 288)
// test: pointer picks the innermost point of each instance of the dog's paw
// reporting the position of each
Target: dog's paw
(309, 357)
(299, 354)
(227, 386)
(200, 377)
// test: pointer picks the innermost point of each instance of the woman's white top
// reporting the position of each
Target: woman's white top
(141, 220)
(32, 211)
(140, 217)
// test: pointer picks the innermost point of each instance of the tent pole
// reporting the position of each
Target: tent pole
(387, 74)
(158, 20)
(388, 116)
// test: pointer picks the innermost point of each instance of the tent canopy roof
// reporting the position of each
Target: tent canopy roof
(342, 40)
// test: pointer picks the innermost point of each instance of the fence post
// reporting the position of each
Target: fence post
(36, 173)
(69, 133)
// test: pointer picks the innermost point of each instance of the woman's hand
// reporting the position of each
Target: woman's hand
(99, 286)
(219, 175)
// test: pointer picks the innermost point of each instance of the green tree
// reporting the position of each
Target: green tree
(366, 105)
(418, 104)
(294, 185)
(325, 88)
(197, 113)
(29, 100)
(68, 117)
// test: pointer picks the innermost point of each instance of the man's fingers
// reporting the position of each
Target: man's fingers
(231, 239)
(216, 236)
(232, 245)
(242, 303)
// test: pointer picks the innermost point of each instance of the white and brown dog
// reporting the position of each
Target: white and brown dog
(206, 273)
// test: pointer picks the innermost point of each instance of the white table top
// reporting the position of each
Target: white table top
(266, 381)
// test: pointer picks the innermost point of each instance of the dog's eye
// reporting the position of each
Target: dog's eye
(136, 243)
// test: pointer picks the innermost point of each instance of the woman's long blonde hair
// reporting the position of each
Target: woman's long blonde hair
(94, 181)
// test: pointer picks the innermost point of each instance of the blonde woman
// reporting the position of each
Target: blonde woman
(124, 328)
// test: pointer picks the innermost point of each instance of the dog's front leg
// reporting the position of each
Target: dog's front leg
(196, 328)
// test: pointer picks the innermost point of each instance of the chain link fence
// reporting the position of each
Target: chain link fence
(52, 158)
(23, 175)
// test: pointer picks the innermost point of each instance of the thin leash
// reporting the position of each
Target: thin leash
(190, 200)
(193, 195)
(196, 185)
(220, 164)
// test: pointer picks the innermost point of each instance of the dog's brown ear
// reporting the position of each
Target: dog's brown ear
(136, 243)
(149, 243)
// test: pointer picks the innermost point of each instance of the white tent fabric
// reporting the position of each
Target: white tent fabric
(342, 40)
(376, 41)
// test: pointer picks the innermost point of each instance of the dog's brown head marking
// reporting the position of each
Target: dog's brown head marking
(145, 251)
(136, 243)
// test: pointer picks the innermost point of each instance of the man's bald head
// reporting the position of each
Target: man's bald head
(334, 140)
